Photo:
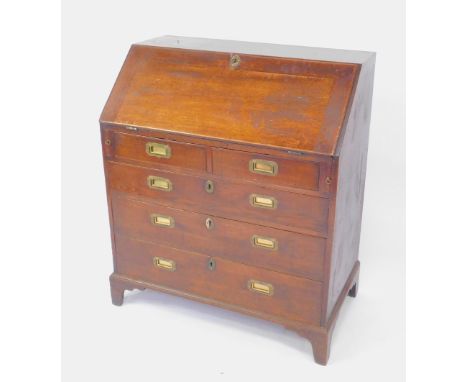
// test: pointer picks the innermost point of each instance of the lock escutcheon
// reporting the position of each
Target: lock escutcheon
(209, 186)
(211, 264)
(234, 61)
(209, 223)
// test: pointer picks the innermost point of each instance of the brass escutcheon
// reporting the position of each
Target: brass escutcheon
(235, 61)
(209, 223)
(209, 186)
(211, 264)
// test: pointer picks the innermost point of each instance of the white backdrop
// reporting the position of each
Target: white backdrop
(159, 337)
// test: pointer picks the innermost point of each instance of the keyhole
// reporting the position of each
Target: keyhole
(211, 264)
(235, 61)
(209, 186)
(209, 223)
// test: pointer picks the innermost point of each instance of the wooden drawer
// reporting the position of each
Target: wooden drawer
(291, 211)
(266, 169)
(251, 288)
(154, 151)
(265, 247)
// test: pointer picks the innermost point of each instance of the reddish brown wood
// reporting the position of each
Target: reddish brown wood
(320, 338)
(272, 101)
(350, 174)
(118, 288)
(133, 148)
(297, 254)
(302, 176)
(229, 199)
(107, 129)
(226, 283)
(306, 109)
(291, 173)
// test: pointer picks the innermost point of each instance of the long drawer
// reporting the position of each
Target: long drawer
(222, 197)
(270, 248)
(251, 288)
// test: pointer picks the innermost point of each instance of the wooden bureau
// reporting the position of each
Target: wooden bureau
(235, 177)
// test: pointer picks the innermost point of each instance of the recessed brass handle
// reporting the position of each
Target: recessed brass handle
(169, 265)
(263, 167)
(159, 150)
(260, 287)
(264, 242)
(159, 183)
(262, 201)
(162, 220)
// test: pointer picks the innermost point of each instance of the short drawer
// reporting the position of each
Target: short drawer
(265, 247)
(215, 278)
(266, 169)
(222, 197)
(160, 152)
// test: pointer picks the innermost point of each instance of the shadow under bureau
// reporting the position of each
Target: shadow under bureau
(235, 177)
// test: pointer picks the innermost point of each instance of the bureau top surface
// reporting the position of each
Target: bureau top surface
(289, 97)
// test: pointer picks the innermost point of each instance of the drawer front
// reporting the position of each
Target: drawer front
(270, 248)
(244, 202)
(251, 288)
(156, 151)
(266, 169)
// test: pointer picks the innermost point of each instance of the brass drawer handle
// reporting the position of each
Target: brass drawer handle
(162, 221)
(159, 150)
(263, 167)
(159, 183)
(260, 287)
(169, 265)
(262, 201)
(264, 242)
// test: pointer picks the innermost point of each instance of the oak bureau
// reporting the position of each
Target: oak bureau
(235, 176)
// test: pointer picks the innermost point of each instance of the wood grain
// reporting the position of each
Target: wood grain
(282, 102)
(291, 173)
(350, 168)
(132, 147)
(302, 213)
(293, 298)
(307, 111)
(297, 254)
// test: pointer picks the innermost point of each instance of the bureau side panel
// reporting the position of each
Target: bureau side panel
(350, 166)
(106, 152)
